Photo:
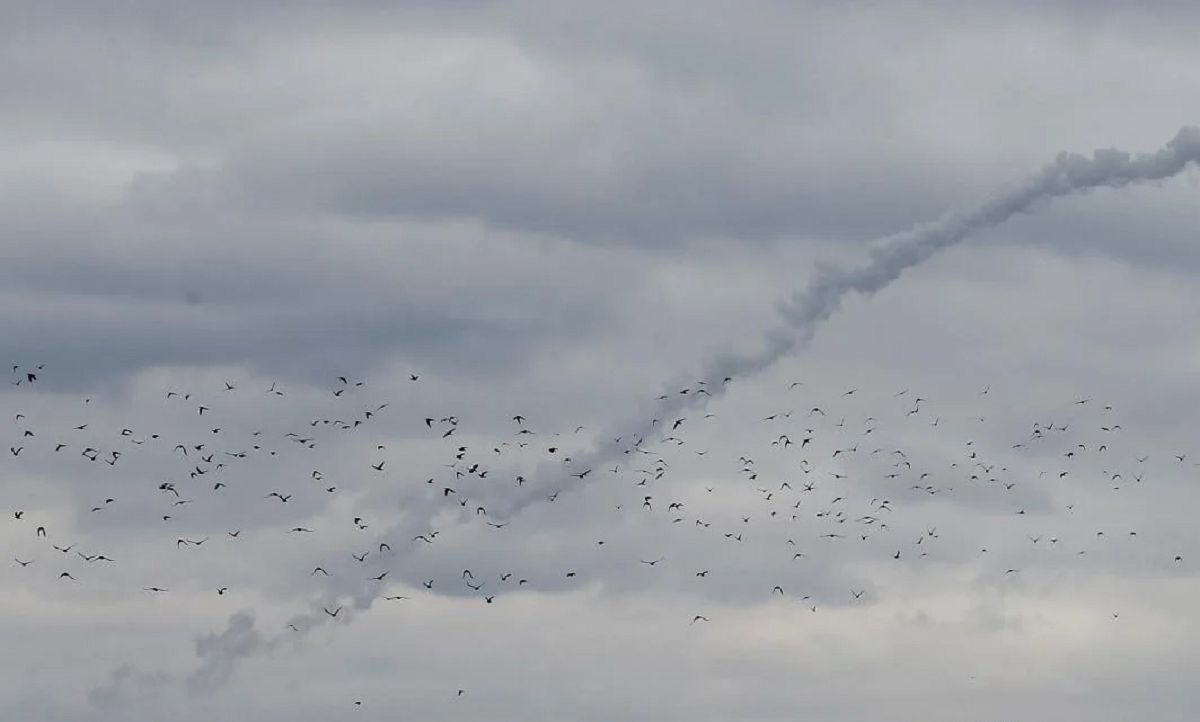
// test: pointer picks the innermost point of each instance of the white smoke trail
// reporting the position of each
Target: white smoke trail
(802, 314)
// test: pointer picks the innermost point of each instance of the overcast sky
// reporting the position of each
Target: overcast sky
(563, 211)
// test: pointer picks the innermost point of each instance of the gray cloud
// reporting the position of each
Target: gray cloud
(546, 210)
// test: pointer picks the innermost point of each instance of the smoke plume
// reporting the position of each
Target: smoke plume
(801, 315)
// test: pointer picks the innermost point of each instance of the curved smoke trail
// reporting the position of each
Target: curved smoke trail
(801, 314)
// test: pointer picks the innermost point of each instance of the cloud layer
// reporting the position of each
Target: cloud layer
(547, 211)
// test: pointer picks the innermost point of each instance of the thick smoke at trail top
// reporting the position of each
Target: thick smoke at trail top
(801, 314)
(804, 311)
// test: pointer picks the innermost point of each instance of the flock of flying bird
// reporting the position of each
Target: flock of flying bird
(819, 469)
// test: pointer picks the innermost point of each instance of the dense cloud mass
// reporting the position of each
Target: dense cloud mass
(524, 361)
